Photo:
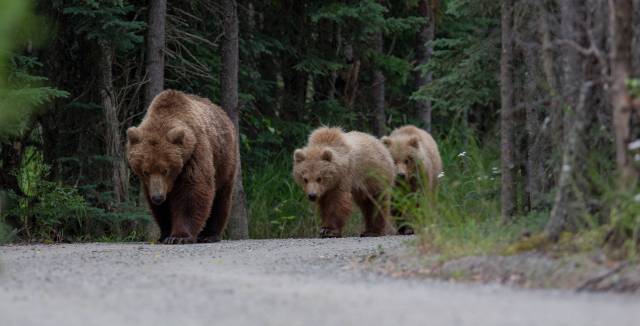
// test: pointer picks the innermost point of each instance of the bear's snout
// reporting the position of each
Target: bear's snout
(157, 199)
(312, 196)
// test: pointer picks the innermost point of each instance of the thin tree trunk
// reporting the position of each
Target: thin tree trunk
(154, 58)
(238, 223)
(377, 90)
(536, 142)
(115, 147)
(156, 40)
(621, 33)
(507, 118)
(424, 51)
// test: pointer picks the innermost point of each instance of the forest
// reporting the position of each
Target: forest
(534, 105)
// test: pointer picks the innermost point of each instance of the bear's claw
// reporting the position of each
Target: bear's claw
(209, 239)
(178, 240)
(329, 233)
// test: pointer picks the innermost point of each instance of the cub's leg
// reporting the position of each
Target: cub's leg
(335, 208)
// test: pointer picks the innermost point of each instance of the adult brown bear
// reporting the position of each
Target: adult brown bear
(185, 153)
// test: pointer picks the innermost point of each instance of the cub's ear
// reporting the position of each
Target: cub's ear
(327, 155)
(386, 141)
(176, 135)
(298, 156)
(414, 142)
(134, 135)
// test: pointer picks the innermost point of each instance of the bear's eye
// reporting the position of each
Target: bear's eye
(166, 172)
(305, 180)
(145, 173)
(319, 180)
(407, 161)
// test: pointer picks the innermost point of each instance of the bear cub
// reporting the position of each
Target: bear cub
(337, 168)
(416, 159)
(185, 153)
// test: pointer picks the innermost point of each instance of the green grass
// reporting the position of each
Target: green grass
(463, 218)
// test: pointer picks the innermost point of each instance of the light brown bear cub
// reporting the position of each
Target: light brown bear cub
(337, 168)
(184, 152)
(415, 155)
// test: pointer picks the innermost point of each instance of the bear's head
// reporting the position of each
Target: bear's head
(158, 157)
(406, 154)
(317, 170)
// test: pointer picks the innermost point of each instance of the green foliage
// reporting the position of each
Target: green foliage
(105, 21)
(465, 58)
(52, 212)
(463, 217)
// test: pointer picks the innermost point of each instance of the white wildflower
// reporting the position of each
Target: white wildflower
(441, 175)
(463, 154)
(566, 168)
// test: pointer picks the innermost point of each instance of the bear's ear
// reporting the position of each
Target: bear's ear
(176, 135)
(298, 156)
(327, 155)
(386, 141)
(414, 142)
(134, 135)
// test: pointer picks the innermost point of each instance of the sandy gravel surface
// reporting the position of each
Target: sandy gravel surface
(265, 282)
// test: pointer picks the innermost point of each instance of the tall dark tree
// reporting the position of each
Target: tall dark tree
(424, 49)
(113, 135)
(507, 115)
(238, 223)
(377, 90)
(154, 55)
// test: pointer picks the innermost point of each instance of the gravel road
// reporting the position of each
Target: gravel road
(265, 282)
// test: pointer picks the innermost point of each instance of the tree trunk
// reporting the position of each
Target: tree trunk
(569, 204)
(154, 59)
(621, 33)
(377, 90)
(424, 50)
(238, 223)
(507, 116)
(537, 151)
(115, 147)
(155, 50)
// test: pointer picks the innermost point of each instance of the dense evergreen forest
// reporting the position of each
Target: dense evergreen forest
(533, 103)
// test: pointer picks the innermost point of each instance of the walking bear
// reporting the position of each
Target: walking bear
(417, 160)
(337, 168)
(185, 153)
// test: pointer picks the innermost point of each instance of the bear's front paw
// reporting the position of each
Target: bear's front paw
(405, 230)
(329, 233)
(209, 239)
(178, 240)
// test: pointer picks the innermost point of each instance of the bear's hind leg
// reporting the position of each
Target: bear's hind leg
(335, 208)
(376, 214)
(219, 216)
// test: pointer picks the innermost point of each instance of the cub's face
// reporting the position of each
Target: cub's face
(405, 153)
(316, 171)
(157, 160)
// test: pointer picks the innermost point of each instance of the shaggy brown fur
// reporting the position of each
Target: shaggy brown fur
(337, 168)
(184, 151)
(416, 158)
(415, 154)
